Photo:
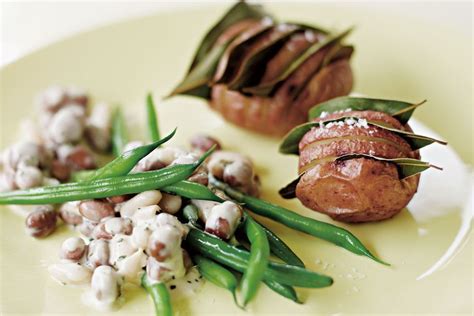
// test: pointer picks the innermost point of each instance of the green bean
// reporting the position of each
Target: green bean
(192, 190)
(119, 133)
(334, 234)
(124, 163)
(153, 127)
(237, 259)
(217, 274)
(282, 250)
(82, 175)
(132, 183)
(283, 289)
(190, 213)
(160, 295)
(258, 260)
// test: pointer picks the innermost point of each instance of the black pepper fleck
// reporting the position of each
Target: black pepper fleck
(172, 287)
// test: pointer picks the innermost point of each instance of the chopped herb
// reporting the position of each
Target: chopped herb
(121, 258)
(120, 240)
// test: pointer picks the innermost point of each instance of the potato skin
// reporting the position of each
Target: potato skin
(360, 189)
(277, 115)
(289, 105)
(356, 190)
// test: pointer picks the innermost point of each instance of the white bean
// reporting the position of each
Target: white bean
(128, 208)
(170, 203)
(118, 225)
(140, 236)
(105, 284)
(131, 267)
(146, 214)
(70, 273)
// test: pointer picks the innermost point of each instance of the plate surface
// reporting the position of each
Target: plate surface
(428, 244)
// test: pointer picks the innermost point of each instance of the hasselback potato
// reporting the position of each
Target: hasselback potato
(265, 75)
(358, 159)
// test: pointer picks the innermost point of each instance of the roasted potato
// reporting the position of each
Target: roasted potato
(354, 190)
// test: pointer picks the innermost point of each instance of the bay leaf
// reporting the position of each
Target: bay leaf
(291, 140)
(289, 191)
(235, 53)
(407, 167)
(402, 111)
(196, 82)
(336, 52)
(260, 54)
(267, 88)
(240, 11)
(416, 141)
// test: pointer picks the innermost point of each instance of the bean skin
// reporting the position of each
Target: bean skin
(95, 210)
(41, 222)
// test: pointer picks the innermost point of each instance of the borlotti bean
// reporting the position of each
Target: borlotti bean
(235, 169)
(73, 249)
(121, 236)
(223, 219)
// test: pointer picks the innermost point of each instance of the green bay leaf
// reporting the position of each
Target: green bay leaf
(402, 111)
(196, 82)
(407, 167)
(291, 140)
